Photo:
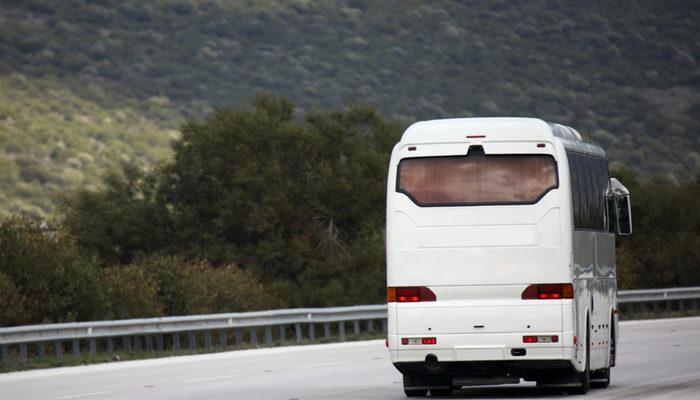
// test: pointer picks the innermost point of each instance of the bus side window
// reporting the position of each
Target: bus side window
(586, 192)
(573, 171)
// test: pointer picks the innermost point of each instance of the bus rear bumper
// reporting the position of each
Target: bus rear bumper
(490, 347)
(418, 375)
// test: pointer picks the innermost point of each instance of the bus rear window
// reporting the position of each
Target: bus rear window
(477, 180)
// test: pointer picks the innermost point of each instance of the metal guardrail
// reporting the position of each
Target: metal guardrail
(295, 325)
(631, 302)
(167, 332)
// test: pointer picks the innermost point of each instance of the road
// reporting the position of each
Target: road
(658, 359)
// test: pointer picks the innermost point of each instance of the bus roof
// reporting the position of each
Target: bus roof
(497, 129)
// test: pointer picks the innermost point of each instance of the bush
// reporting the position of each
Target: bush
(132, 292)
(51, 277)
(185, 288)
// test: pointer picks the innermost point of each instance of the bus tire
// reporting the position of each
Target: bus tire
(415, 392)
(585, 376)
(409, 387)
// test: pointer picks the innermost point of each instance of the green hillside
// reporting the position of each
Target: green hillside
(85, 84)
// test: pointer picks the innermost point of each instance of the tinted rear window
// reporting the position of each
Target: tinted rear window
(477, 180)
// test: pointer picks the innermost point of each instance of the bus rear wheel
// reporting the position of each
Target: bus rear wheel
(415, 392)
(585, 376)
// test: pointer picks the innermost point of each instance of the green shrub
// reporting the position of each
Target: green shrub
(131, 292)
(57, 280)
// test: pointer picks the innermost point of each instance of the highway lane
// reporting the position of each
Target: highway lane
(658, 359)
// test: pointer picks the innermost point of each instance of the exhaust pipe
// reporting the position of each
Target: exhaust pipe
(433, 365)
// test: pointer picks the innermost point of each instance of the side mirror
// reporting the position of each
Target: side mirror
(623, 208)
(624, 215)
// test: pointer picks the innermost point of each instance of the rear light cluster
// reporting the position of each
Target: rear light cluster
(541, 339)
(409, 294)
(549, 291)
(418, 341)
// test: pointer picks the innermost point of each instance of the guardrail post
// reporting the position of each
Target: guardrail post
(312, 331)
(669, 306)
(137, 343)
(223, 338)
(268, 335)
(283, 333)
(40, 351)
(76, 347)
(254, 336)
(327, 330)
(341, 330)
(23, 353)
(58, 349)
(93, 346)
(110, 345)
(207, 340)
(370, 325)
(149, 343)
(356, 324)
(4, 355)
(239, 337)
(191, 341)
(297, 330)
(176, 341)
(126, 343)
(681, 305)
(159, 342)
(384, 325)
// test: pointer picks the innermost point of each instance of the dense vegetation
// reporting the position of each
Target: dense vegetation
(86, 84)
(222, 228)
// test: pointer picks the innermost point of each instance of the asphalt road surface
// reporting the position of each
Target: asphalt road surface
(658, 359)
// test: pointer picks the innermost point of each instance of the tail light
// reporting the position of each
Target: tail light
(414, 341)
(409, 294)
(549, 291)
(541, 339)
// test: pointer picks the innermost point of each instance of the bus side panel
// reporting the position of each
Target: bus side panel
(607, 293)
(595, 292)
(584, 282)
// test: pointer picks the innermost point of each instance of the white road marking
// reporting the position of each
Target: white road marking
(211, 378)
(77, 396)
(322, 365)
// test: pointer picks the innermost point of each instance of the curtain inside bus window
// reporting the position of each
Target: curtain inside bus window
(477, 180)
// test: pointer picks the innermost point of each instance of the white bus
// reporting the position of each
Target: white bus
(501, 256)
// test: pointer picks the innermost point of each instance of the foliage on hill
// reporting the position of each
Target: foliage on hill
(664, 250)
(53, 140)
(305, 223)
(299, 202)
(624, 73)
(45, 277)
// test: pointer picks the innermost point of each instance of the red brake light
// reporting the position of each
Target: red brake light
(549, 291)
(409, 294)
(541, 339)
(429, 340)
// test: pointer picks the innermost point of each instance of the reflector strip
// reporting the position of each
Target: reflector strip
(419, 341)
(541, 339)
